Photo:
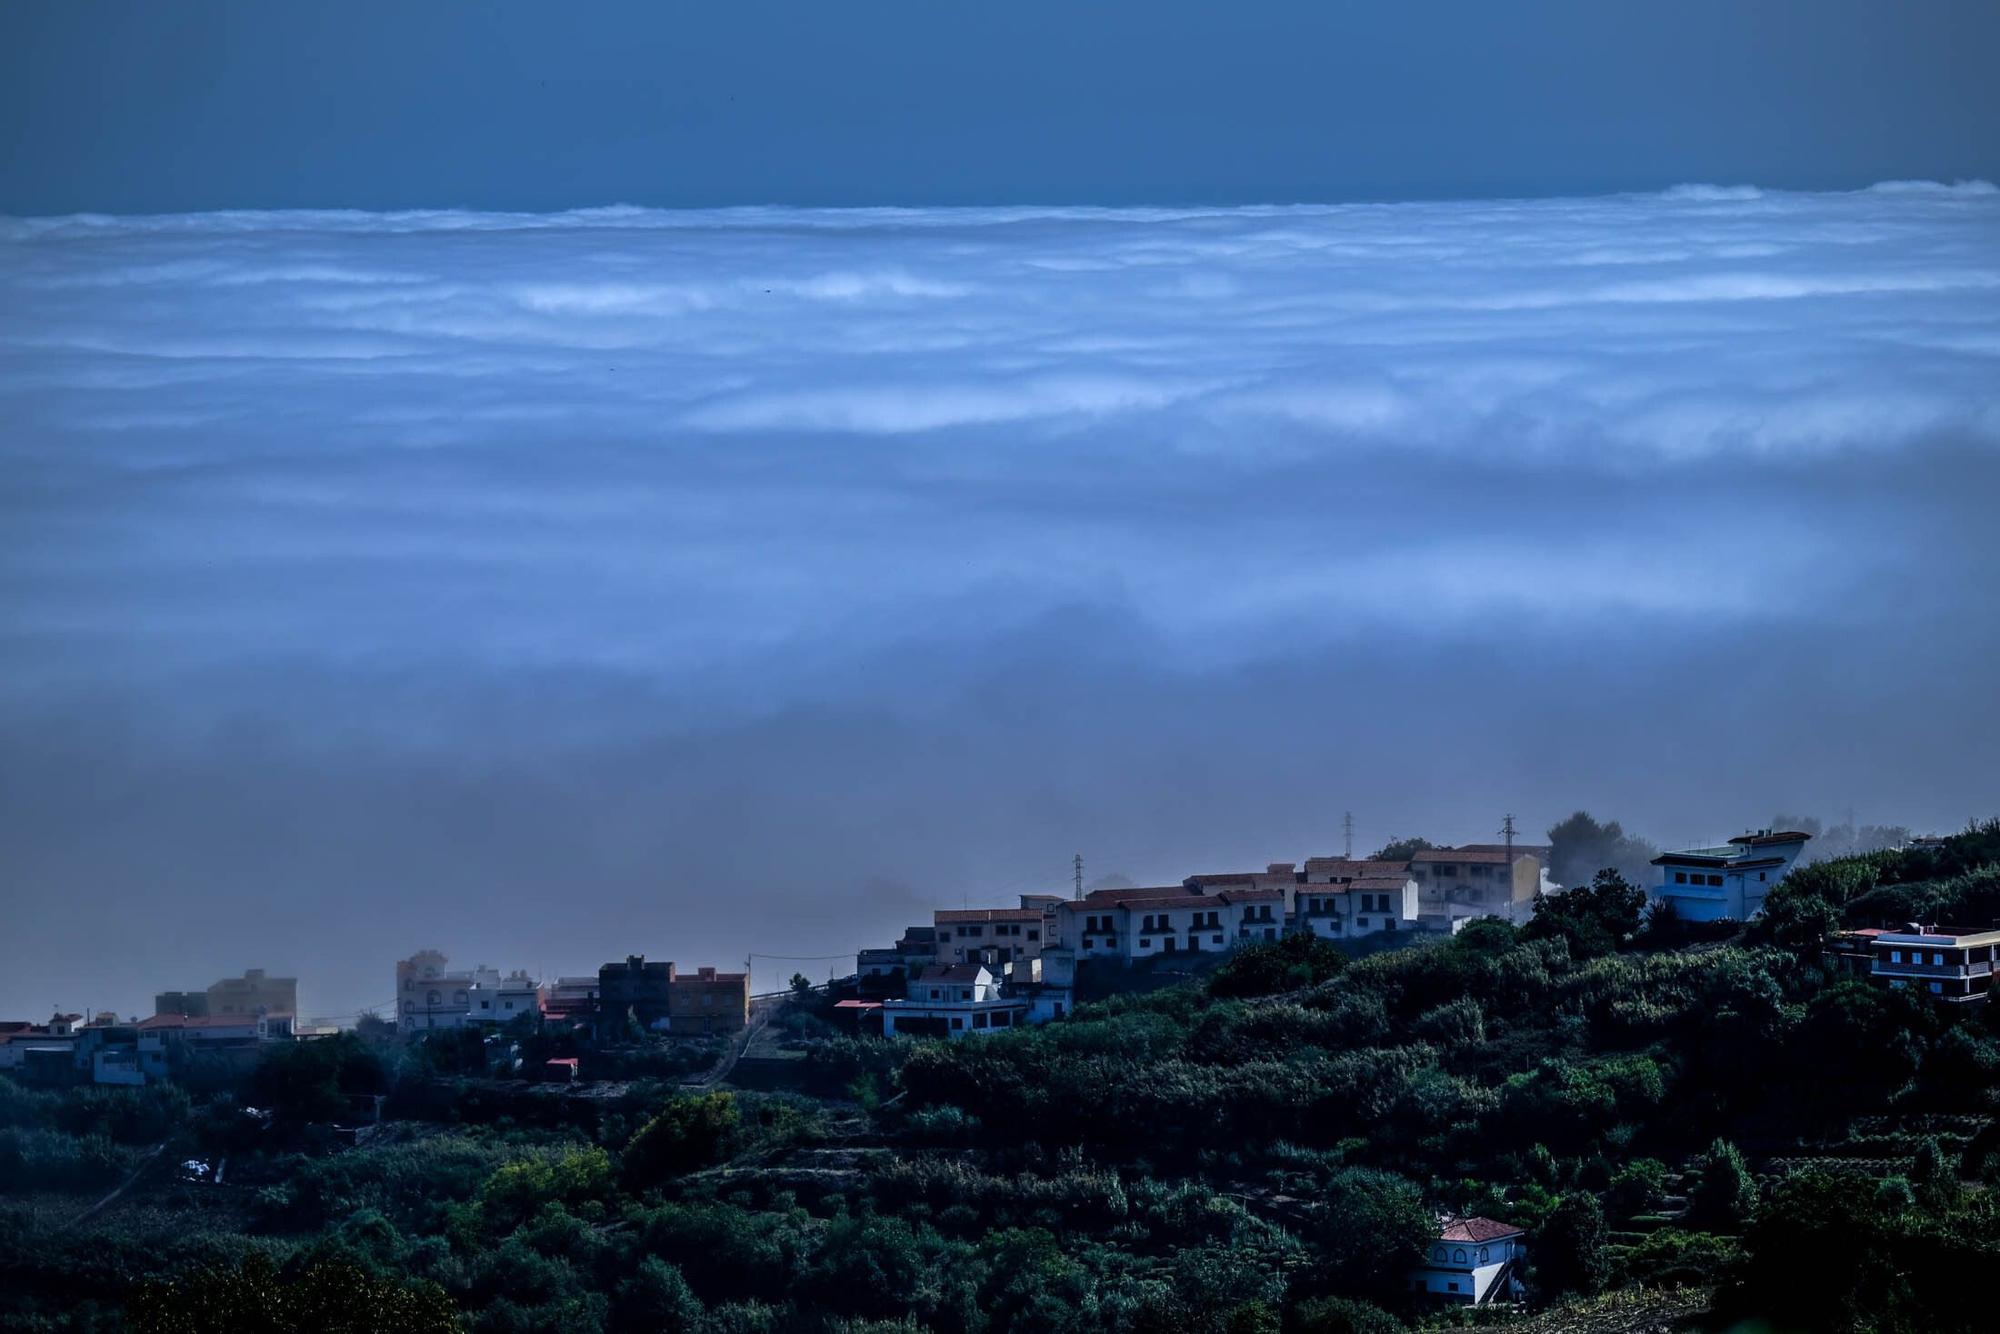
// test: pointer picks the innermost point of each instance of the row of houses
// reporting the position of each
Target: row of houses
(980, 970)
(632, 994)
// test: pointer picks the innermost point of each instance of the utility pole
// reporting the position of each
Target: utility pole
(1507, 828)
(1347, 835)
(1076, 864)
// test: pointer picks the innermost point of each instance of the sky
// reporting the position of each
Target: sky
(419, 528)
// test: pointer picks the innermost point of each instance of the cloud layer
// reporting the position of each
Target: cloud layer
(837, 563)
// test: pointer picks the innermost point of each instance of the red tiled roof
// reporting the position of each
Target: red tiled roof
(1477, 854)
(988, 915)
(1261, 894)
(1375, 882)
(1476, 1229)
(857, 1005)
(1354, 866)
(1115, 898)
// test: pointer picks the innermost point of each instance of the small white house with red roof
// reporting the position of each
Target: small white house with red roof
(1473, 1262)
(953, 1001)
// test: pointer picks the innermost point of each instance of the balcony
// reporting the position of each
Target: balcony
(1884, 968)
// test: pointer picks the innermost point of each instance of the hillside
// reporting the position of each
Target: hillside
(1687, 1127)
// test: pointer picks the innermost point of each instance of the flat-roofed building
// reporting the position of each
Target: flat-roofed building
(1457, 885)
(994, 936)
(953, 1001)
(1953, 965)
(1728, 881)
(708, 1003)
(255, 992)
(634, 991)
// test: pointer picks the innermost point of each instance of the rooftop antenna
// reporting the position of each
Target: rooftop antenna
(1507, 828)
(1347, 835)
(1076, 864)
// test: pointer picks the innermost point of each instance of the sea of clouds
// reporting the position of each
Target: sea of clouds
(379, 580)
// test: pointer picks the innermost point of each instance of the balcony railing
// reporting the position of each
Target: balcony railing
(1980, 968)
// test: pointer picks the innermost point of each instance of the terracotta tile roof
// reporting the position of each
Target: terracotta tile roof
(1476, 1229)
(945, 915)
(1474, 854)
(1375, 882)
(1113, 898)
(1261, 894)
(1353, 866)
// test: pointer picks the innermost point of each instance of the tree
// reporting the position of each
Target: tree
(1288, 964)
(656, 1300)
(1400, 849)
(1594, 919)
(1724, 1194)
(802, 986)
(1934, 1178)
(311, 1081)
(689, 1132)
(1373, 1229)
(1340, 1315)
(1571, 1253)
(1580, 847)
(327, 1296)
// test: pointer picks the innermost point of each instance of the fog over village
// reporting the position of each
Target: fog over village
(1153, 667)
(742, 581)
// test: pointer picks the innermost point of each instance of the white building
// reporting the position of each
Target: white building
(1342, 899)
(431, 995)
(1134, 924)
(953, 1001)
(1473, 1261)
(166, 1038)
(504, 1000)
(1709, 884)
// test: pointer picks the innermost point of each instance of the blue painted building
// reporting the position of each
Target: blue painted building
(1707, 884)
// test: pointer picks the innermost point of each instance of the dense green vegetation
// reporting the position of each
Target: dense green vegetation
(1264, 1150)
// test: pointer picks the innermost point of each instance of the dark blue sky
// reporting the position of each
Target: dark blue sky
(199, 105)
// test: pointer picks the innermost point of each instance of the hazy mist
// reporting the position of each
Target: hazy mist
(544, 588)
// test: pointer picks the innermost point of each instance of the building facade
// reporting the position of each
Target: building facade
(1134, 924)
(1473, 1262)
(953, 1001)
(1458, 885)
(1729, 881)
(707, 1003)
(1953, 966)
(254, 993)
(633, 992)
(1344, 900)
(994, 936)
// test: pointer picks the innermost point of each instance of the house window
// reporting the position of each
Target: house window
(1763, 875)
(957, 1022)
(1937, 988)
(1458, 1257)
(1680, 877)
(1482, 1255)
(1937, 958)
(1895, 956)
(1144, 943)
(1453, 1286)
(1715, 880)
(1216, 939)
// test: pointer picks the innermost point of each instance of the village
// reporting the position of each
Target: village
(970, 973)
